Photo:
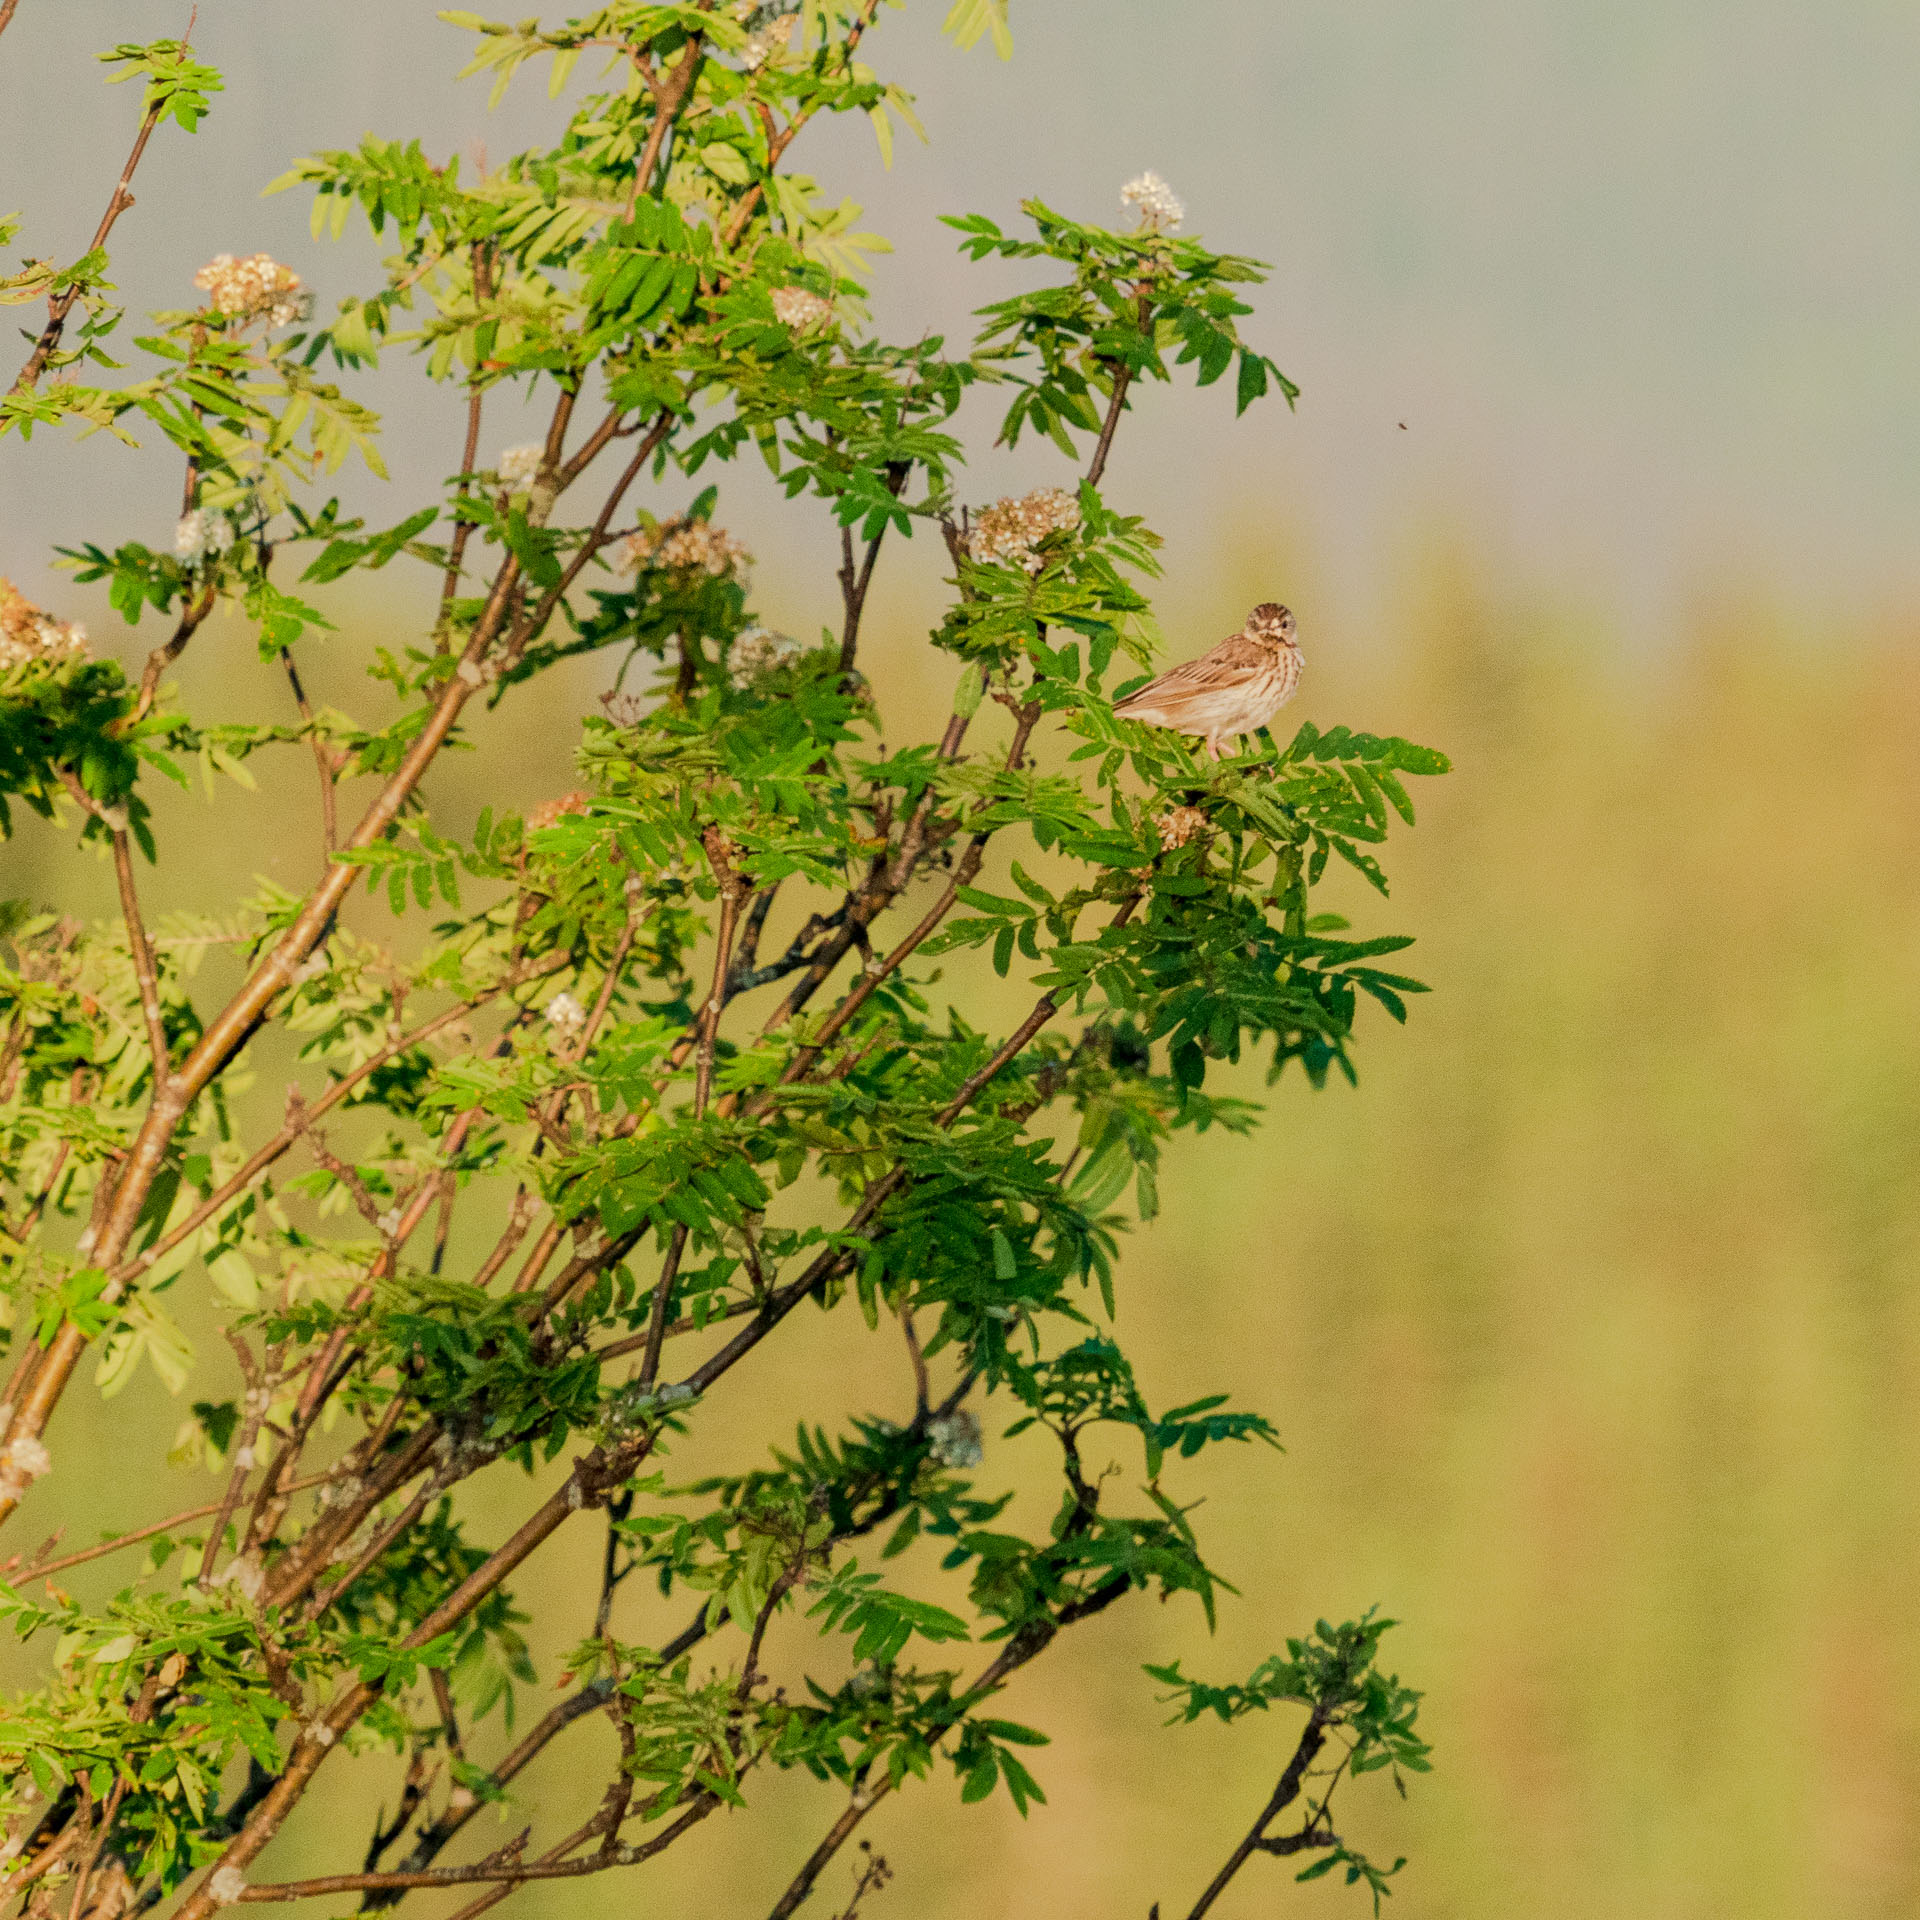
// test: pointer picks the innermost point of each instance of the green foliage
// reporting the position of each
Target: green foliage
(710, 1040)
(1348, 1700)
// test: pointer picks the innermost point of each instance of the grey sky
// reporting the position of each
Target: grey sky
(1639, 278)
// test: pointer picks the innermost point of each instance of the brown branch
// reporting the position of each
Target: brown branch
(1122, 380)
(530, 625)
(481, 259)
(511, 1872)
(143, 967)
(885, 880)
(20, 1229)
(296, 1571)
(61, 304)
(1025, 1645)
(669, 99)
(256, 1413)
(463, 1803)
(662, 1294)
(6, 13)
(162, 657)
(732, 887)
(46, 1567)
(317, 1604)
(84, 1876)
(265, 1156)
(1312, 1738)
(853, 586)
(777, 147)
(1027, 717)
(322, 756)
(919, 1360)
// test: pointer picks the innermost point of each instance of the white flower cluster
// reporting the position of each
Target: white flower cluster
(519, 465)
(29, 637)
(955, 1439)
(202, 535)
(795, 307)
(759, 651)
(247, 1577)
(21, 1464)
(565, 1015)
(255, 288)
(1178, 825)
(773, 36)
(683, 546)
(1155, 202)
(1008, 531)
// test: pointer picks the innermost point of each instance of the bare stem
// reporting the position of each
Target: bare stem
(482, 259)
(1122, 380)
(162, 657)
(1313, 1737)
(143, 967)
(59, 305)
(322, 755)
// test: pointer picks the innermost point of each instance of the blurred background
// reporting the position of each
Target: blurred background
(1587, 1319)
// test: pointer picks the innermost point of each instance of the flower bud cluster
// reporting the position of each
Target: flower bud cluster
(1178, 825)
(800, 309)
(202, 535)
(685, 546)
(29, 637)
(565, 1015)
(519, 465)
(759, 651)
(773, 31)
(1155, 202)
(955, 1439)
(256, 288)
(1007, 532)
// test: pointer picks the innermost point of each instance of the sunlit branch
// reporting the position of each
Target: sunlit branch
(59, 305)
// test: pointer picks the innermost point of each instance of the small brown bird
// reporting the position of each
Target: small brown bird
(1232, 689)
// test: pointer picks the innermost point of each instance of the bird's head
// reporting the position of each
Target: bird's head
(1272, 623)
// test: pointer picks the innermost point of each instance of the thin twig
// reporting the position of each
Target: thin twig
(462, 527)
(322, 755)
(143, 967)
(853, 586)
(61, 304)
(669, 97)
(265, 1156)
(777, 147)
(1312, 1738)
(162, 657)
(1122, 379)
(138, 1534)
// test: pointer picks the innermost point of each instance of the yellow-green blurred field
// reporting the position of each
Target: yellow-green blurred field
(1588, 1321)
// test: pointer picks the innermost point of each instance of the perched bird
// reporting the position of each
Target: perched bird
(1234, 688)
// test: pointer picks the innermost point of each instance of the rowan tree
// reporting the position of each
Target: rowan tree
(594, 1100)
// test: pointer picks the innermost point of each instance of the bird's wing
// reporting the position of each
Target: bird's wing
(1234, 662)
